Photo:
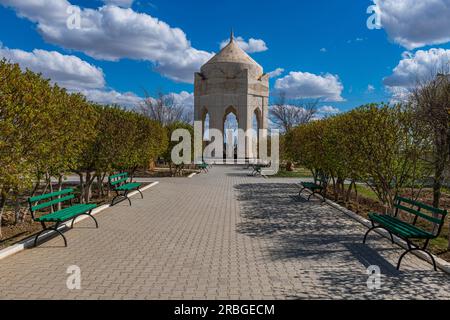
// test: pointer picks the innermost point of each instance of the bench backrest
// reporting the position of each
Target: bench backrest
(118, 179)
(49, 200)
(421, 210)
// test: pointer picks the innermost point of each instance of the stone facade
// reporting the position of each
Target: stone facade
(232, 82)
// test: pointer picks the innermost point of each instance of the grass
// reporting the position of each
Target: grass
(365, 191)
(297, 173)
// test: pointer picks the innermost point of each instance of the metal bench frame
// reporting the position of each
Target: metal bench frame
(319, 189)
(411, 246)
(122, 193)
(54, 197)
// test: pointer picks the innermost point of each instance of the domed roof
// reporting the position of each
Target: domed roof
(234, 55)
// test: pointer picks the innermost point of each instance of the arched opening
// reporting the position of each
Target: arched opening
(205, 124)
(254, 139)
(230, 130)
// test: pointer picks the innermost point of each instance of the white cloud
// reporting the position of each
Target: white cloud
(420, 66)
(120, 3)
(252, 46)
(130, 99)
(370, 88)
(276, 73)
(416, 23)
(113, 33)
(323, 50)
(66, 70)
(300, 85)
(328, 110)
(109, 97)
(398, 94)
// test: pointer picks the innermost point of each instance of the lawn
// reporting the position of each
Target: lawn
(297, 173)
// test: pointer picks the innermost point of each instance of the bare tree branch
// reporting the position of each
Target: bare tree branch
(288, 115)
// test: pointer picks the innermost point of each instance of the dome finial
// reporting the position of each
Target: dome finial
(231, 35)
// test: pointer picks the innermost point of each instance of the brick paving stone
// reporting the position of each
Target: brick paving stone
(222, 235)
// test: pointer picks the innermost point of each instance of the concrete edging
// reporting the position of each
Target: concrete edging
(28, 242)
(440, 263)
(192, 175)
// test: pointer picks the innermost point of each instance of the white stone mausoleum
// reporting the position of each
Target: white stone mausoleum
(232, 82)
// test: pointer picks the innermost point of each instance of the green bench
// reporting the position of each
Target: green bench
(49, 200)
(315, 188)
(408, 230)
(203, 167)
(119, 184)
(257, 168)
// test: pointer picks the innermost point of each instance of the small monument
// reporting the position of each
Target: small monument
(232, 82)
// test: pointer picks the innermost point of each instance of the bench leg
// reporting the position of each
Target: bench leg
(142, 196)
(55, 228)
(125, 195)
(301, 190)
(370, 230)
(416, 249)
(85, 214)
(312, 195)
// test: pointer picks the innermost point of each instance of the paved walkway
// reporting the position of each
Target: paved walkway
(223, 235)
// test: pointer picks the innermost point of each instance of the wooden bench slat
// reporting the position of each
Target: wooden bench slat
(114, 183)
(52, 202)
(418, 213)
(128, 186)
(119, 175)
(50, 195)
(67, 213)
(422, 205)
(398, 226)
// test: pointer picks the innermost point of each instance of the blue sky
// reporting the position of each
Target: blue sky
(324, 47)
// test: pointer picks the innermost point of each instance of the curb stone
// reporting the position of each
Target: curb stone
(28, 242)
(440, 263)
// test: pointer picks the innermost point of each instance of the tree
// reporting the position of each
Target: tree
(431, 100)
(167, 155)
(288, 115)
(164, 109)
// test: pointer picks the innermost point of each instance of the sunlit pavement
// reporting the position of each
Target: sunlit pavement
(222, 235)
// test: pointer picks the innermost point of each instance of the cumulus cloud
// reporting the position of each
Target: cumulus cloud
(415, 23)
(130, 99)
(250, 46)
(276, 73)
(110, 97)
(113, 33)
(66, 70)
(328, 110)
(301, 85)
(418, 67)
(120, 3)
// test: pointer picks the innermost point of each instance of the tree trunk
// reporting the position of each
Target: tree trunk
(289, 166)
(349, 190)
(17, 218)
(36, 186)
(87, 189)
(80, 174)
(60, 183)
(437, 183)
(3, 197)
(49, 179)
